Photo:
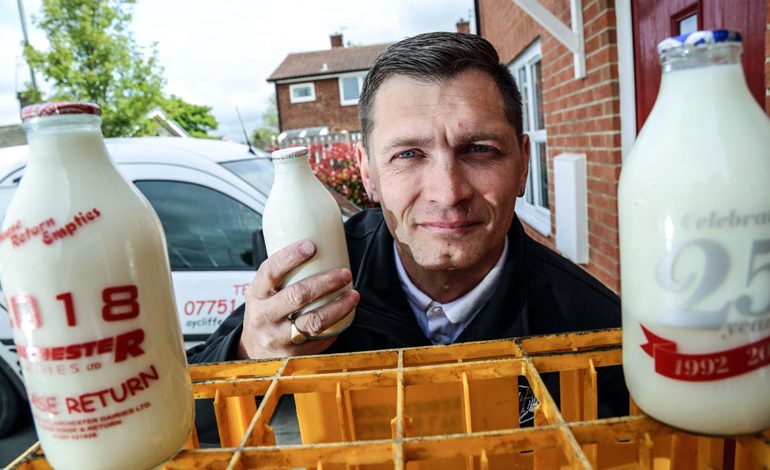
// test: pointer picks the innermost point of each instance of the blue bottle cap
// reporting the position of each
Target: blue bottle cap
(699, 39)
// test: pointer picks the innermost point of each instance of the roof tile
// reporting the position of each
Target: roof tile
(337, 60)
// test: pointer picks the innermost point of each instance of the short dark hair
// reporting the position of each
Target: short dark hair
(434, 57)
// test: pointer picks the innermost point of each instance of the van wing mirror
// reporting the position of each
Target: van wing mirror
(258, 248)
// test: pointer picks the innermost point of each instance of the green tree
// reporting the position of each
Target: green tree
(93, 57)
(196, 120)
(262, 136)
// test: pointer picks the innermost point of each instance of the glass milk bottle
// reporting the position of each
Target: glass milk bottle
(85, 273)
(694, 216)
(300, 208)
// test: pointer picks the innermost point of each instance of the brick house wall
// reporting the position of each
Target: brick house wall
(581, 115)
(326, 110)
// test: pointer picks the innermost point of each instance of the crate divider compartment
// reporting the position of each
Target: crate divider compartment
(441, 408)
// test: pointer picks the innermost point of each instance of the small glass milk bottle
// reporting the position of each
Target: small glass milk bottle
(298, 208)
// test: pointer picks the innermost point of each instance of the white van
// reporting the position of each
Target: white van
(209, 196)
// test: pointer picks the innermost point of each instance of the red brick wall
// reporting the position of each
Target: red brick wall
(581, 115)
(324, 111)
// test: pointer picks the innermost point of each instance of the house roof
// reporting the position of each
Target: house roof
(12, 135)
(168, 127)
(336, 60)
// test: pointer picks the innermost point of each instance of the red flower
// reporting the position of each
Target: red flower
(334, 164)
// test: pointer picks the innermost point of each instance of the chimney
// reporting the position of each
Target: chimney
(336, 39)
(463, 26)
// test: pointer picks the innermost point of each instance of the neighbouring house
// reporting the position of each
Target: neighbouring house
(167, 127)
(584, 104)
(317, 92)
(12, 135)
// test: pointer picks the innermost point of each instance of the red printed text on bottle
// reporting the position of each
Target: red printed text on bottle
(19, 234)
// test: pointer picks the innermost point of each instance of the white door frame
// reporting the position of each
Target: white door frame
(625, 36)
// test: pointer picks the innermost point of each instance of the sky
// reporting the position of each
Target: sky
(219, 53)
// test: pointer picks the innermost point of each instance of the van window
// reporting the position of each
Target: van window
(205, 229)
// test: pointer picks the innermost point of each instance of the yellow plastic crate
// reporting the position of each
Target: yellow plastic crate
(441, 407)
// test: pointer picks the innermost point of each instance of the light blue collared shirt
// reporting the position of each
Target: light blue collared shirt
(443, 323)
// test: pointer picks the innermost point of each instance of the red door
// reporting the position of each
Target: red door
(655, 20)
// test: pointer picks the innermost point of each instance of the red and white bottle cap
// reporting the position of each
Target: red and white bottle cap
(59, 108)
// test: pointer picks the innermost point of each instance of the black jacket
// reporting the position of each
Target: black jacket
(540, 292)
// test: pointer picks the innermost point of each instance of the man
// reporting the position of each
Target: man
(445, 259)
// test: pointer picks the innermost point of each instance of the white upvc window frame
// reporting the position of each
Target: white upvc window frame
(360, 76)
(530, 207)
(301, 99)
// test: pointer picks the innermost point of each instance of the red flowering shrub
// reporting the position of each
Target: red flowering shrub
(334, 163)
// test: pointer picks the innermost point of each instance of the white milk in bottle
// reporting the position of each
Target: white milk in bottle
(694, 212)
(300, 208)
(86, 276)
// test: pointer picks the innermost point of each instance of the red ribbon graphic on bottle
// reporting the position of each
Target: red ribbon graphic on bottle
(705, 367)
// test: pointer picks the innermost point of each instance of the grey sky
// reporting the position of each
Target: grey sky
(219, 53)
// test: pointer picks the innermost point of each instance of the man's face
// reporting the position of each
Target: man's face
(446, 167)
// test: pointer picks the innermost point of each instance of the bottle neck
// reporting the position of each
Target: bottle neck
(682, 58)
(65, 138)
(292, 167)
(713, 73)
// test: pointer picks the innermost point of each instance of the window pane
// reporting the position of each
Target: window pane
(529, 190)
(301, 92)
(350, 88)
(524, 90)
(537, 87)
(543, 170)
(205, 229)
(257, 172)
(688, 25)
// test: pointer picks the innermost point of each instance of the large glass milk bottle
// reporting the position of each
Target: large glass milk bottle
(86, 277)
(694, 211)
(298, 208)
